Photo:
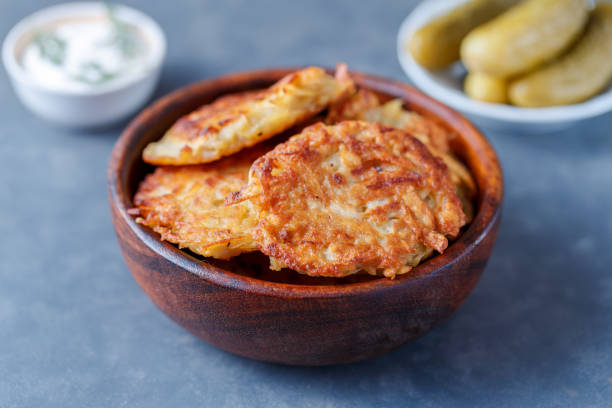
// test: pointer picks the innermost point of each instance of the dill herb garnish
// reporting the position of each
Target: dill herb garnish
(93, 73)
(51, 47)
(123, 36)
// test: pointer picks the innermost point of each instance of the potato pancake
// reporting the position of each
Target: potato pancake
(230, 125)
(336, 200)
(185, 205)
(365, 105)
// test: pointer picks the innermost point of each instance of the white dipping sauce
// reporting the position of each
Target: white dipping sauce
(81, 54)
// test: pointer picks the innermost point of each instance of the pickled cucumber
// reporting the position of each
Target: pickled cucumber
(580, 74)
(524, 37)
(437, 44)
(485, 88)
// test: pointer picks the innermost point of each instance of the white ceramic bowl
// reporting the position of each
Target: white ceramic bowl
(447, 86)
(95, 106)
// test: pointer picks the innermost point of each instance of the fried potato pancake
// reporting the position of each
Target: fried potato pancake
(232, 124)
(185, 205)
(336, 200)
(365, 105)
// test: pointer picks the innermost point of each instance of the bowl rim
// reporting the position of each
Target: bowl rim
(149, 27)
(488, 175)
(423, 79)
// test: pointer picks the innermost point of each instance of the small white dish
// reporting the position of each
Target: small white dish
(447, 86)
(94, 106)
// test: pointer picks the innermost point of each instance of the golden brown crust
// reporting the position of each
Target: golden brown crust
(230, 125)
(335, 200)
(365, 105)
(190, 125)
(353, 107)
(185, 205)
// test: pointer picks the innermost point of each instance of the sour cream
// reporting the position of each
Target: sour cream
(84, 53)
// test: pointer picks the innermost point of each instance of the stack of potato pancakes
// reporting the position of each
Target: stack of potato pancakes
(322, 177)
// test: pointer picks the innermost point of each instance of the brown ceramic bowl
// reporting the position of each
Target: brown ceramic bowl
(242, 307)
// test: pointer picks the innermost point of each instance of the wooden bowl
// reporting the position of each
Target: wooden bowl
(286, 317)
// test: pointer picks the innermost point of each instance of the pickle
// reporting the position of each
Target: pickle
(437, 44)
(485, 88)
(580, 74)
(524, 37)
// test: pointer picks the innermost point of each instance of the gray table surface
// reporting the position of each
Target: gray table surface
(76, 330)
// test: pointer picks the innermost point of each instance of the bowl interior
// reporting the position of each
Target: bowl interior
(126, 170)
(447, 84)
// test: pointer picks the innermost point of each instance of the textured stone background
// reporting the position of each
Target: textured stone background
(76, 331)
